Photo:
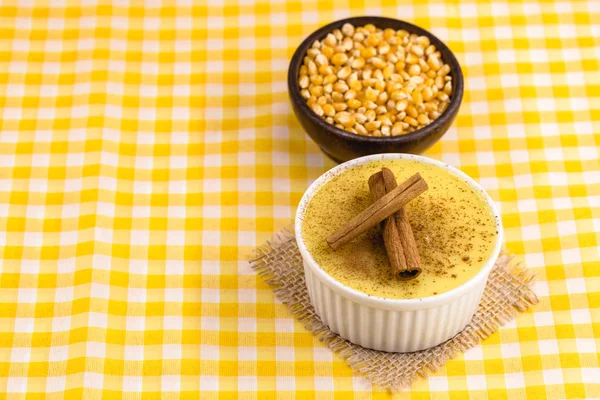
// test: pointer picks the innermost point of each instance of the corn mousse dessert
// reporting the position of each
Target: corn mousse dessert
(453, 227)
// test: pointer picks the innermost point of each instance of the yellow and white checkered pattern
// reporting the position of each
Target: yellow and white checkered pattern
(146, 149)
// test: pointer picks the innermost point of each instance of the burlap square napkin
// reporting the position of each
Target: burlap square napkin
(507, 292)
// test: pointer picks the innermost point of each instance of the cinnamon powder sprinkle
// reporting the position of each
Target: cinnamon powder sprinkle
(454, 230)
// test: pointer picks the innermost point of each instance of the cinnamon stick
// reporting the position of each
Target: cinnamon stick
(378, 211)
(405, 233)
(389, 229)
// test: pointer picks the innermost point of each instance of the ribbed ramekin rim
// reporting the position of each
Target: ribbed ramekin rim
(381, 302)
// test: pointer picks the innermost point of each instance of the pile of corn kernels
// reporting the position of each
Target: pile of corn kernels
(375, 82)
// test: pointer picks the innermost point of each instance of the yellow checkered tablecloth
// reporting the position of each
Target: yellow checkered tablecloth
(146, 150)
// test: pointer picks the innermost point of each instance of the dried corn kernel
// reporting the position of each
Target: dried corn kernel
(375, 82)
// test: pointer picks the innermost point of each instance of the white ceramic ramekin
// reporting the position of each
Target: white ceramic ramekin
(390, 324)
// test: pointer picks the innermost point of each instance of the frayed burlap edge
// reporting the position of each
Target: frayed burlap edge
(507, 293)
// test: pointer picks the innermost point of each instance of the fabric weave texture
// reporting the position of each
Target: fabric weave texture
(147, 149)
(507, 292)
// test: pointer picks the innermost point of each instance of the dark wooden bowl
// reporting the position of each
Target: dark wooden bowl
(342, 146)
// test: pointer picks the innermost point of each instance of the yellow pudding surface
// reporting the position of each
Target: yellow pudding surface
(454, 229)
